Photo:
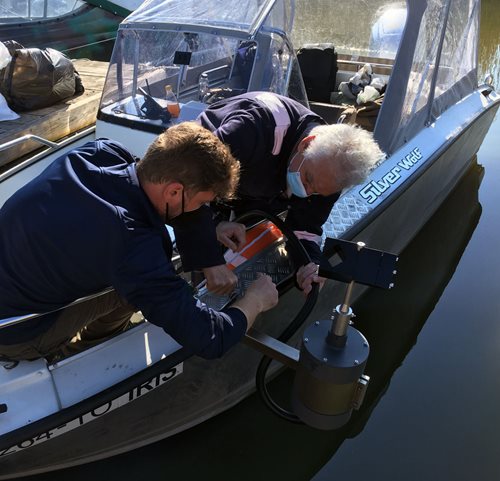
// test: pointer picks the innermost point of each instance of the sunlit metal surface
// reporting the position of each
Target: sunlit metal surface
(272, 261)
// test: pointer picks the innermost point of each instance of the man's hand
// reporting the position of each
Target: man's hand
(261, 296)
(308, 274)
(264, 291)
(231, 234)
(220, 279)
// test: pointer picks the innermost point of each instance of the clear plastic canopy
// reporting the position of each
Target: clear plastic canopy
(234, 14)
(234, 46)
(433, 42)
(436, 67)
(355, 27)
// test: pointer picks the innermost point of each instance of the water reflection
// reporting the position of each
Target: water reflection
(391, 320)
(353, 31)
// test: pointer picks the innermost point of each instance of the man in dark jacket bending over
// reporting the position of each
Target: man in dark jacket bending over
(96, 218)
(290, 161)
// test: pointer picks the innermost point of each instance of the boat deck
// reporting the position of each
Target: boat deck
(58, 120)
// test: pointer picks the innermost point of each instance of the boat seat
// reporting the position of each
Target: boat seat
(242, 66)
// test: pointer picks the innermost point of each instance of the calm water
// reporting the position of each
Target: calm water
(432, 410)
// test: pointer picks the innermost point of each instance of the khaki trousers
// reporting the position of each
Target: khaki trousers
(77, 328)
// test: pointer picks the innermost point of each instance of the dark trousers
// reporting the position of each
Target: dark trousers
(77, 328)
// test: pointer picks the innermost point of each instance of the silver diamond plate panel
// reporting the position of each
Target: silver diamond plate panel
(273, 261)
(348, 210)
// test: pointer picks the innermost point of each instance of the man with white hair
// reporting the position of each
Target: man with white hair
(290, 161)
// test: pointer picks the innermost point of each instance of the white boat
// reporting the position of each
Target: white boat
(141, 386)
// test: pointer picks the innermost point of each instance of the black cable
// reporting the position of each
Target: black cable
(291, 329)
(260, 377)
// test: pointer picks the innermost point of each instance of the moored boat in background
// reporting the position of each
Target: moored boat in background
(78, 29)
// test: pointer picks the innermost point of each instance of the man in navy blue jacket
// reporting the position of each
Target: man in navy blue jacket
(96, 218)
(290, 161)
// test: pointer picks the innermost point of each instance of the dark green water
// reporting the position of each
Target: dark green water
(432, 410)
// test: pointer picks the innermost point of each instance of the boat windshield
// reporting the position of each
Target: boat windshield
(176, 43)
(29, 10)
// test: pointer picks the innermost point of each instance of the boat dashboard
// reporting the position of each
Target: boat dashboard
(147, 108)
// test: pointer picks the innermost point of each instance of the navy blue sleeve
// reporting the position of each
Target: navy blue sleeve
(309, 214)
(147, 280)
(196, 240)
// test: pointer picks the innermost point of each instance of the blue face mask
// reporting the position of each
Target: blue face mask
(294, 182)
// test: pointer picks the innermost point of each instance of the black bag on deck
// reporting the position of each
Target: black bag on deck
(37, 78)
(318, 64)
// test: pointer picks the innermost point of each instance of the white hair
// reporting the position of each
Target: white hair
(352, 151)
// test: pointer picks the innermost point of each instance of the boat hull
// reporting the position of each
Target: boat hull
(392, 227)
(206, 388)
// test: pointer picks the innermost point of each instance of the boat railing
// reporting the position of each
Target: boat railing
(11, 321)
(355, 65)
(12, 167)
(24, 138)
